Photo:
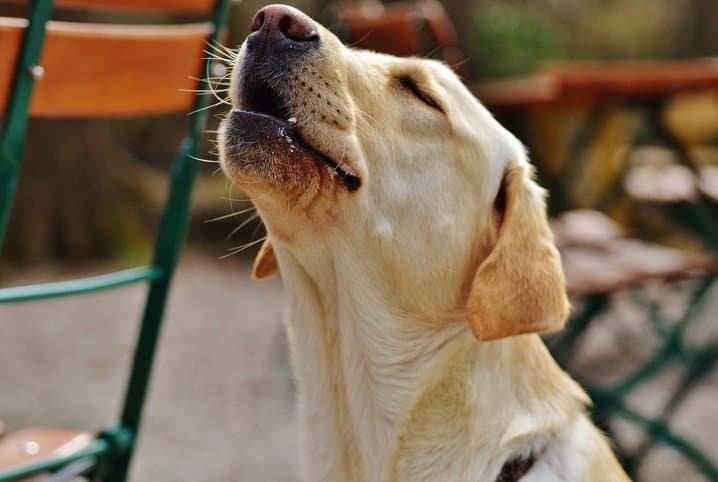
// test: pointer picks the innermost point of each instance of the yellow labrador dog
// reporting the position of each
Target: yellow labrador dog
(416, 251)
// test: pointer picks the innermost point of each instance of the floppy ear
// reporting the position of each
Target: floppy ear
(520, 286)
(265, 264)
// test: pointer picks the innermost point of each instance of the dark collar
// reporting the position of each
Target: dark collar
(515, 468)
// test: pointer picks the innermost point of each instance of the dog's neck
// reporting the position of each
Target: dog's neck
(365, 368)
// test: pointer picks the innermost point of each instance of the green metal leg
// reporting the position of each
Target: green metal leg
(12, 137)
(173, 229)
(610, 401)
(564, 344)
(169, 244)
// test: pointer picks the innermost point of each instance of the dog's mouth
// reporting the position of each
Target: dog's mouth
(263, 105)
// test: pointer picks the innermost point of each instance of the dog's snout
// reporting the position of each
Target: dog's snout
(281, 22)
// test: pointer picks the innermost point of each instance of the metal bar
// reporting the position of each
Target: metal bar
(72, 471)
(173, 229)
(699, 217)
(169, 243)
(12, 137)
(670, 346)
(658, 430)
(98, 448)
(700, 364)
(564, 345)
(79, 286)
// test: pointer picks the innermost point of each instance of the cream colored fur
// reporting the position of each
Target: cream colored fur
(396, 288)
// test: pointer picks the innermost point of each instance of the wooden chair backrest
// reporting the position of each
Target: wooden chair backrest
(162, 6)
(103, 70)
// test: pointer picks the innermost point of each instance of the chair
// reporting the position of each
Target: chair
(404, 28)
(50, 69)
(603, 265)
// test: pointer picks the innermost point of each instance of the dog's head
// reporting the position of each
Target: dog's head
(392, 166)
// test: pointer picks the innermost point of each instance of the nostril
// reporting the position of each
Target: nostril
(298, 28)
(258, 21)
(286, 22)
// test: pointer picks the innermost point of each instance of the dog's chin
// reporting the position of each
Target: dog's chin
(258, 148)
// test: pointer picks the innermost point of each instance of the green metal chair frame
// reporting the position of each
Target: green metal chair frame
(108, 457)
(610, 401)
(645, 92)
(697, 361)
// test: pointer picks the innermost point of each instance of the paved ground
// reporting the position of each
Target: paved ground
(220, 407)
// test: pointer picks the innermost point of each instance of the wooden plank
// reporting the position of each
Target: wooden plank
(166, 6)
(31, 444)
(636, 80)
(587, 83)
(521, 93)
(598, 258)
(99, 70)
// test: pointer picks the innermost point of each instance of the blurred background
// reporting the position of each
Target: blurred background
(617, 102)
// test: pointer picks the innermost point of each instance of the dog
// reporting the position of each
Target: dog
(414, 243)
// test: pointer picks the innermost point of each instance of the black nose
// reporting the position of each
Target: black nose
(281, 22)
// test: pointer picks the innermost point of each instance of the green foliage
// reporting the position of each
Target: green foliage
(511, 40)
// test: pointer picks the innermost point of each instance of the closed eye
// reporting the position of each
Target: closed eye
(409, 84)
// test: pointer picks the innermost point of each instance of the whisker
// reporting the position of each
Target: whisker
(466, 60)
(203, 91)
(259, 225)
(210, 106)
(354, 44)
(209, 77)
(222, 49)
(227, 216)
(243, 247)
(230, 51)
(214, 56)
(214, 93)
(242, 224)
(209, 161)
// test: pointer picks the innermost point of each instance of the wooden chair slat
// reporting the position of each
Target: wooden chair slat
(36, 443)
(598, 257)
(161, 6)
(636, 80)
(98, 70)
(534, 91)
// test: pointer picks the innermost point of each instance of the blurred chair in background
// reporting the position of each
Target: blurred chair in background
(404, 28)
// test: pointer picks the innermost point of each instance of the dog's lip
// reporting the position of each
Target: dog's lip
(288, 128)
(262, 96)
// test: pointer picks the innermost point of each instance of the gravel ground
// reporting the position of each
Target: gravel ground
(221, 405)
